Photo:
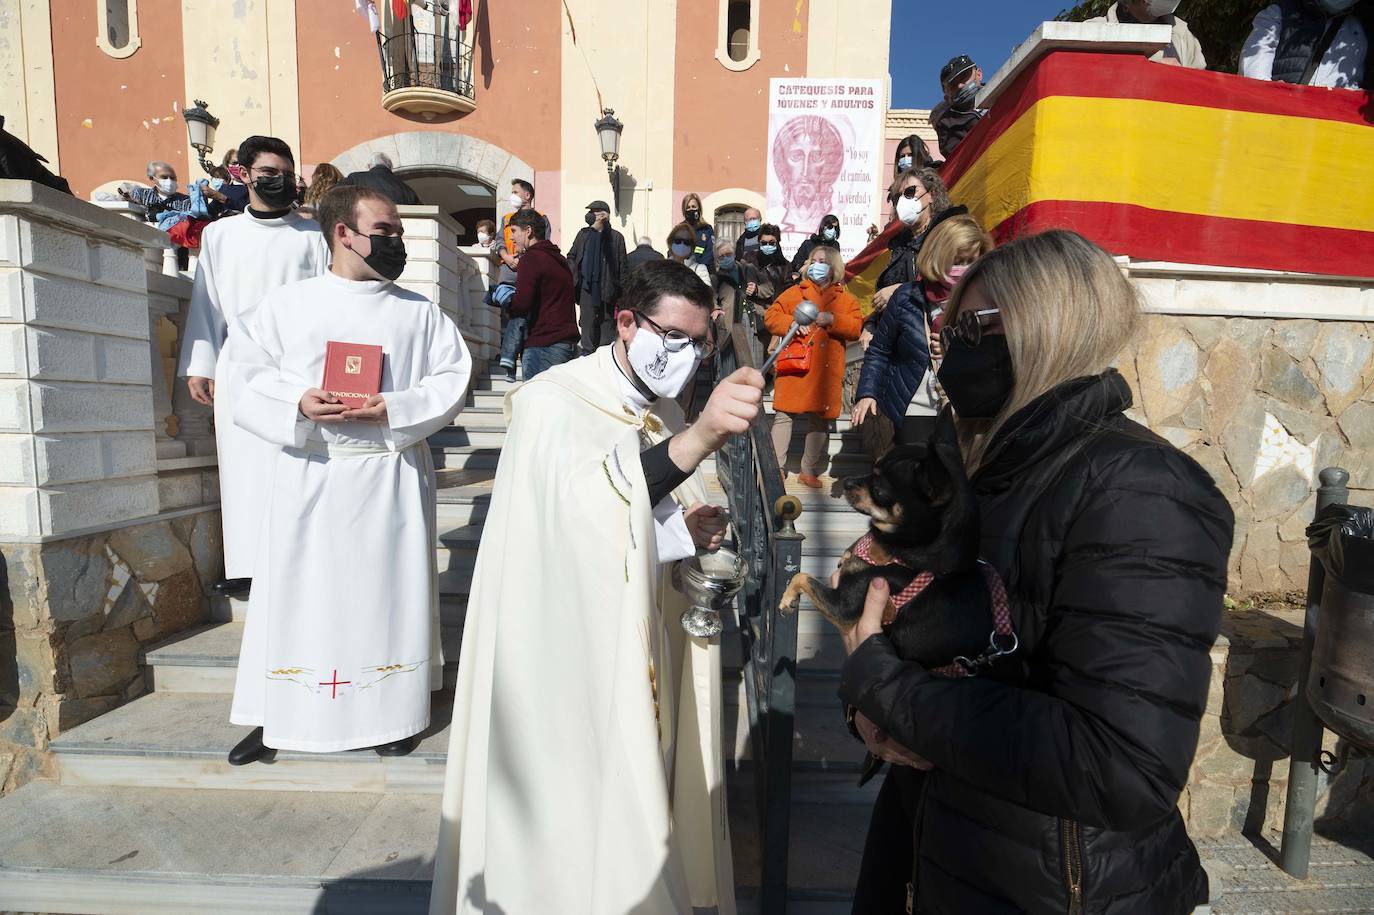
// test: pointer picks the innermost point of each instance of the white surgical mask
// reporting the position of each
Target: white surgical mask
(909, 210)
(662, 372)
(517, 201)
(483, 238)
(167, 185)
(830, 233)
(818, 271)
(904, 163)
(1159, 8)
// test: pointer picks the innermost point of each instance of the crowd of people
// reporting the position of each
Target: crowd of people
(1048, 784)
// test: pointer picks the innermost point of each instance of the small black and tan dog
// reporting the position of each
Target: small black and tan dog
(925, 522)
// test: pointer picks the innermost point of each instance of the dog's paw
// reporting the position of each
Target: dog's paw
(791, 598)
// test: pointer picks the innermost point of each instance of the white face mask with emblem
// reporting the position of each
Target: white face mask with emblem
(662, 372)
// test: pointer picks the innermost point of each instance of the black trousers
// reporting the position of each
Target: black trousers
(595, 320)
(890, 847)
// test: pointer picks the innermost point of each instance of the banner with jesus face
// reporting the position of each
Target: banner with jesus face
(825, 141)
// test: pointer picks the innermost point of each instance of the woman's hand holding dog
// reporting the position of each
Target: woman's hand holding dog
(871, 623)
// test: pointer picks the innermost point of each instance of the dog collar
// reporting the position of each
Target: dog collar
(1002, 641)
(864, 550)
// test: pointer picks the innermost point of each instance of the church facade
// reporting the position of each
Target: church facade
(462, 101)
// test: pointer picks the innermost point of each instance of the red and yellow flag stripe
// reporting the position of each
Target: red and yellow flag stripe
(1162, 163)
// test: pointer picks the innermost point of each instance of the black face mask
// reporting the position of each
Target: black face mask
(978, 379)
(693, 215)
(275, 191)
(388, 255)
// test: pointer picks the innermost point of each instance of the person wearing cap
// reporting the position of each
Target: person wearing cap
(1183, 50)
(597, 259)
(953, 118)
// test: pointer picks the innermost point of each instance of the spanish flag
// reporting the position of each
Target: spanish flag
(1189, 166)
(861, 274)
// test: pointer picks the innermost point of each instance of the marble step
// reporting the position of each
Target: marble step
(204, 659)
(179, 740)
(465, 457)
(130, 851)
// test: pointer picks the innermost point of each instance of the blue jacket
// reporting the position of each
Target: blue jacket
(898, 355)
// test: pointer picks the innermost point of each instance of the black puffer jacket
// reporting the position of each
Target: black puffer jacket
(1058, 774)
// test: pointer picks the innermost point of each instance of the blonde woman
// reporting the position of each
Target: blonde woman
(900, 351)
(1050, 783)
(816, 395)
(703, 233)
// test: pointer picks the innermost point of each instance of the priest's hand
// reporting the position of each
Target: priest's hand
(706, 524)
(320, 407)
(732, 407)
(202, 389)
(374, 411)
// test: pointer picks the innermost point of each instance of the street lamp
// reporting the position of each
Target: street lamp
(608, 132)
(200, 127)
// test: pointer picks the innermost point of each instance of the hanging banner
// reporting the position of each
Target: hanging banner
(1168, 164)
(825, 141)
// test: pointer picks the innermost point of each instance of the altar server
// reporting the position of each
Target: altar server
(242, 258)
(341, 647)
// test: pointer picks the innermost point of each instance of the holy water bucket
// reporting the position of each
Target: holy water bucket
(710, 581)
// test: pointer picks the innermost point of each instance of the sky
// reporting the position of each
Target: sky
(927, 33)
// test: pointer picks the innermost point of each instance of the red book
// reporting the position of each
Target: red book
(352, 372)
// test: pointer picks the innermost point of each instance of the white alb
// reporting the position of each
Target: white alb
(341, 648)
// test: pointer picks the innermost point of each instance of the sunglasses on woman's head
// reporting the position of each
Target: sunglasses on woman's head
(968, 327)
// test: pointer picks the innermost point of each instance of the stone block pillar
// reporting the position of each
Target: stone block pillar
(77, 444)
(439, 270)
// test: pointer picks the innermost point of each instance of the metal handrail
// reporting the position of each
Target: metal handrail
(421, 59)
(763, 516)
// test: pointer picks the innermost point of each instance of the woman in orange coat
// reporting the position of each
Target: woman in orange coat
(816, 395)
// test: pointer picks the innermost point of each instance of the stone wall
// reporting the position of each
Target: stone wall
(1240, 773)
(1262, 404)
(75, 617)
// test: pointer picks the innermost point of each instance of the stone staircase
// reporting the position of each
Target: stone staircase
(147, 817)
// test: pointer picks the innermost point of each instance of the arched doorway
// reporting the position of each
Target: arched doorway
(462, 197)
(460, 174)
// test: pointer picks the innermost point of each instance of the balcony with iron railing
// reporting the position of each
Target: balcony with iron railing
(426, 74)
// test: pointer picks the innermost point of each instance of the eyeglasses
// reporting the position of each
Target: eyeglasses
(675, 341)
(268, 172)
(911, 193)
(968, 327)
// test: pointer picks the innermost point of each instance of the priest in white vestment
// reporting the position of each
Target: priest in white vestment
(242, 258)
(341, 646)
(585, 770)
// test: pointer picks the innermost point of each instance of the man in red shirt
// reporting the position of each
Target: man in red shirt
(543, 294)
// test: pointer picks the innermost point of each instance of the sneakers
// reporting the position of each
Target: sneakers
(807, 479)
(510, 371)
